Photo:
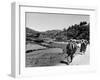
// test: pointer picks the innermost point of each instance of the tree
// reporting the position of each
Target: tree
(80, 31)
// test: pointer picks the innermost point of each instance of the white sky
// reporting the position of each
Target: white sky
(45, 21)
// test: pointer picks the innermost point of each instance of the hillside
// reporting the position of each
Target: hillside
(77, 31)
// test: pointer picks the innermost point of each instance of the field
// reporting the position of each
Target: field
(43, 56)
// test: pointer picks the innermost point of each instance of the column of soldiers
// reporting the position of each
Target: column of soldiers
(75, 47)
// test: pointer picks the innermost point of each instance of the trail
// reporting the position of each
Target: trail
(81, 59)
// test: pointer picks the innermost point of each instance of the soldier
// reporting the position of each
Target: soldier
(83, 46)
(71, 49)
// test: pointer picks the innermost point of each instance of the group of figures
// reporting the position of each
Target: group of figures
(74, 47)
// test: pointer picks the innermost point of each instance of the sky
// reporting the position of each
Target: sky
(48, 21)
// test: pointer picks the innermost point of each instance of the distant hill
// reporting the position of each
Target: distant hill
(31, 32)
(31, 35)
(50, 34)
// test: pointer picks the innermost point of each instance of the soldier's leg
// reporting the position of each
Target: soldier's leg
(64, 62)
(69, 59)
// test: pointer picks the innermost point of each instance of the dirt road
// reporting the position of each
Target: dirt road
(82, 59)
